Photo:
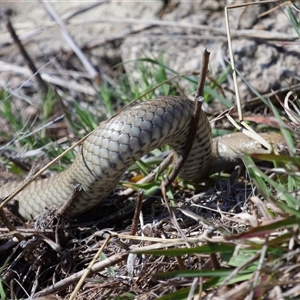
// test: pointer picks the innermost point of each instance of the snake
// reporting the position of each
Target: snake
(104, 156)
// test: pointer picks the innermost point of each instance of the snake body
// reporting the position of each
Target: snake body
(116, 144)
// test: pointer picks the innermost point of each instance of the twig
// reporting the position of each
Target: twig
(213, 258)
(89, 269)
(261, 264)
(42, 85)
(88, 66)
(173, 218)
(202, 75)
(242, 266)
(194, 123)
(120, 35)
(4, 66)
(84, 9)
(97, 267)
(190, 140)
(242, 33)
(138, 207)
(5, 40)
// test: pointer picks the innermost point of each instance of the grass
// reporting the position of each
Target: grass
(251, 253)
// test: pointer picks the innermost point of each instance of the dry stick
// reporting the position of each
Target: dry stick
(246, 129)
(242, 266)
(214, 259)
(96, 268)
(120, 35)
(5, 41)
(88, 66)
(190, 139)
(259, 268)
(84, 9)
(43, 86)
(44, 89)
(41, 83)
(160, 243)
(138, 207)
(88, 269)
(194, 123)
(56, 80)
(242, 33)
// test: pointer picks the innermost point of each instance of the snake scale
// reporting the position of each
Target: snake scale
(117, 143)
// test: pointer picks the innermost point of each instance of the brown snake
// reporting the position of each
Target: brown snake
(115, 145)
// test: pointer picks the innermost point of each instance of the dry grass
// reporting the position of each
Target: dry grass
(237, 235)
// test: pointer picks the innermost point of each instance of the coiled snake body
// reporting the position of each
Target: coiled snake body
(115, 145)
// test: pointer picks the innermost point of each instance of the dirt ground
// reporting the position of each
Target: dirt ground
(264, 42)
